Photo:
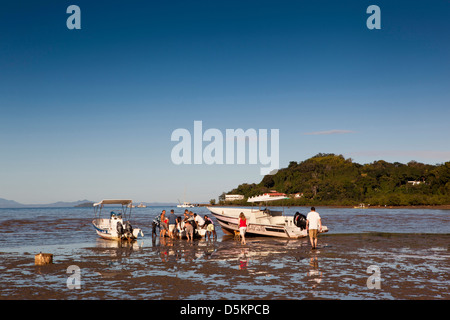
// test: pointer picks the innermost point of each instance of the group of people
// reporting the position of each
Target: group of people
(174, 226)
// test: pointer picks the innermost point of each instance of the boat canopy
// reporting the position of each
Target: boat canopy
(268, 197)
(114, 201)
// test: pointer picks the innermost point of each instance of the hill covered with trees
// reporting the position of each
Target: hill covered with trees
(329, 179)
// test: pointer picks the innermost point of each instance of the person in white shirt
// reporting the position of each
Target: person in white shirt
(199, 221)
(314, 226)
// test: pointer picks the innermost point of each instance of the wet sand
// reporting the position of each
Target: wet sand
(411, 266)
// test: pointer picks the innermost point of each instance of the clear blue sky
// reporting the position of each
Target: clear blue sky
(89, 113)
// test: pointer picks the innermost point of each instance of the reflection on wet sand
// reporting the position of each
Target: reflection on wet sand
(314, 274)
(411, 267)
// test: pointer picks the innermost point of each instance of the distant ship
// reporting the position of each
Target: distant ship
(185, 205)
(141, 206)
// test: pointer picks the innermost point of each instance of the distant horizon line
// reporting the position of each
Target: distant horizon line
(15, 204)
(7, 203)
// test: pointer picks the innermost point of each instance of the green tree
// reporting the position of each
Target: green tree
(331, 179)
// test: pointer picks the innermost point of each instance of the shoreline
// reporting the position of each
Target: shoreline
(437, 207)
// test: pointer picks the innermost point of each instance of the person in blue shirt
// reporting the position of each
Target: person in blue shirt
(172, 224)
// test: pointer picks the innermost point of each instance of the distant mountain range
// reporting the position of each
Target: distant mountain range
(4, 203)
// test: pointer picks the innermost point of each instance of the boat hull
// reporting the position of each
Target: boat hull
(103, 229)
(198, 233)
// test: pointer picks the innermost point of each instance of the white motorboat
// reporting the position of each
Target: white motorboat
(117, 226)
(197, 232)
(264, 222)
(185, 205)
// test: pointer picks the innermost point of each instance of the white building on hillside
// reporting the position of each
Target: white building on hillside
(233, 197)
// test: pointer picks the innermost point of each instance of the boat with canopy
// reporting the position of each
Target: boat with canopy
(117, 226)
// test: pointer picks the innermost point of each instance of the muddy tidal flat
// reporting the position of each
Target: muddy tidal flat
(370, 254)
(344, 266)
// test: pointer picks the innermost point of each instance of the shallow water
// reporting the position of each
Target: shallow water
(65, 226)
(409, 246)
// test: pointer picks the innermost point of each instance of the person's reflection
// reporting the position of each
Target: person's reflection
(314, 274)
(163, 254)
(154, 240)
(189, 253)
(243, 260)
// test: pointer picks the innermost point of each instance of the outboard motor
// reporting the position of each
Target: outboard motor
(156, 224)
(300, 220)
(194, 226)
(119, 228)
(128, 228)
